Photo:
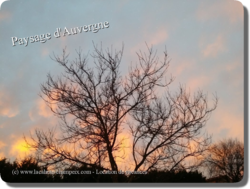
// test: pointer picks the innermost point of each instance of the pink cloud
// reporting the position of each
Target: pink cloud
(214, 48)
(4, 15)
(179, 65)
(159, 37)
(234, 122)
(45, 52)
(196, 83)
(233, 10)
(226, 119)
(153, 39)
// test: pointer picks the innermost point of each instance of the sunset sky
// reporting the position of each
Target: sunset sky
(203, 38)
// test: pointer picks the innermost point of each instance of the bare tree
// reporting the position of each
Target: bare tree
(94, 104)
(226, 159)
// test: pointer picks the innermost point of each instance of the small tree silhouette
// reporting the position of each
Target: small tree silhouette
(226, 159)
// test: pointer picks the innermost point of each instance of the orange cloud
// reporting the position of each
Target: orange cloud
(20, 149)
(123, 155)
(38, 110)
(8, 112)
(43, 109)
(2, 155)
(2, 144)
(192, 147)
(7, 107)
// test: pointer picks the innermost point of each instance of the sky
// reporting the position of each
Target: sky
(203, 38)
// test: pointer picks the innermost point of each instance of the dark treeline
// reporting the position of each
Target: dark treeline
(11, 172)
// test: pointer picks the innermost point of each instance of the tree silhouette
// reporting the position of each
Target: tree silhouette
(226, 159)
(96, 103)
(26, 164)
(171, 177)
